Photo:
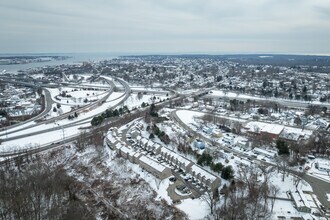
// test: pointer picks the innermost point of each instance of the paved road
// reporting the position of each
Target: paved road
(283, 102)
(48, 106)
(90, 130)
(49, 102)
(320, 187)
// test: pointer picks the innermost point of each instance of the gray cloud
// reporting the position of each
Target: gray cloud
(167, 26)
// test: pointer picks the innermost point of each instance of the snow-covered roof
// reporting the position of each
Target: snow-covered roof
(138, 138)
(300, 131)
(127, 150)
(264, 127)
(137, 154)
(264, 152)
(118, 145)
(144, 140)
(203, 172)
(135, 130)
(112, 139)
(272, 129)
(152, 163)
(286, 134)
(150, 143)
(300, 198)
(156, 145)
(175, 156)
(324, 166)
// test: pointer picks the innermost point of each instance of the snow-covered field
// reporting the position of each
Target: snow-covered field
(62, 110)
(54, 136)
(187, 117)
(194, 208)
(77, 97)
(40, 139)
(133, 100)
(219, 93)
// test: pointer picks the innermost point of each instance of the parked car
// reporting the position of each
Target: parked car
(172, 179)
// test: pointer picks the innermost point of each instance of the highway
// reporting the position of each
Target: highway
(90, 130)
(320, 187)
(84, 121)
(48, 108)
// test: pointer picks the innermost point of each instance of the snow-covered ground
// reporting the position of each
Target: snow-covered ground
(57, 135)
(219, 93)
(194, 208)
(313, 171)
(188, 117)
(77, 97)
(17, 128)
(288, 184)
(62, 110)
(160, 187)
(133, 100)
(281, 207)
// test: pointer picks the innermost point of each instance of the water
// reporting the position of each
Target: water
(74, 58)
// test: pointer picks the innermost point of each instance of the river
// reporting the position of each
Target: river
(74, 58)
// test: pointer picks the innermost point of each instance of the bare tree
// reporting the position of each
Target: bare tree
(282, 165)
(274, 190)
(82, 141)
(210, 197)
(247, 197)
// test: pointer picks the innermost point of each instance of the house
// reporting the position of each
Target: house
(155, 168)
(134, 132)
(175, 159)
(228, 139)
(207, 130)
(111, 140)
(153, 147)
(199, 144)
(144, 142)
(287, 135)
(261, 128)
(300, 201)
(126, 153)
(208, 179)
(323, 166)
(242, 143)
(266, 153)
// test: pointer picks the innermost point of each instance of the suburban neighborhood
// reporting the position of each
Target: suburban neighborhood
(204, 133)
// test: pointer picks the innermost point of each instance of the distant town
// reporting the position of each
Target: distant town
(169, 136)
(12, 60)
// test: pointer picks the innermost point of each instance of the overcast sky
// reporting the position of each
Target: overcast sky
(165, 26)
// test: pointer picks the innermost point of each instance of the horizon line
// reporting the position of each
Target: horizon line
(169, 54)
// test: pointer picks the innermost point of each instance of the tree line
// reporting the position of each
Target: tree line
(109, 113)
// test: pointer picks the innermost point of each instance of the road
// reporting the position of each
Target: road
(90, 130)
(49, 102)
(283, 102)
(320, 187)
(48, 108)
